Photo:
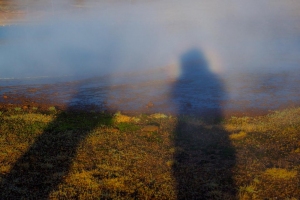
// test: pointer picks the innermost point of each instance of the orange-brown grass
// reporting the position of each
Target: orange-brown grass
(267, 158)
(114, 156)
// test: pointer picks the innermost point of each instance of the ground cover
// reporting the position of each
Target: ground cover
(56, 154)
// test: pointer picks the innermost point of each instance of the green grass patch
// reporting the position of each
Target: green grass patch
(34, 108)
(17, 109)
(127, 127)
(52, 108)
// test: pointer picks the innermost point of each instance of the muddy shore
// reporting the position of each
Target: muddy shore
(145, 96)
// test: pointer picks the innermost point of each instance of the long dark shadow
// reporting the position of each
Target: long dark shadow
(204, 155)
(41, 169)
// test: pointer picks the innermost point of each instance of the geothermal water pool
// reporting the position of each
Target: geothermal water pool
(191, 57)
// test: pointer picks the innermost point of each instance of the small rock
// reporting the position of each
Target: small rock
(188, 105)
(24, 165)
(158, 116)
(32, 158)
(25, 107)
(114, 130)
(5, 97)
(46, 165)
(150, 128)
(32, 90)
(150, 105)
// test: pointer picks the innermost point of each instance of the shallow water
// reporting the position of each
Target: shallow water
(167, 56)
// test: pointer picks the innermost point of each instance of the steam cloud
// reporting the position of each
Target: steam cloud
(95, 38)
(128, 35)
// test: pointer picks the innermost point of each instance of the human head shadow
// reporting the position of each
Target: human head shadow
(41, 169)
(198, 91)
(204, 155)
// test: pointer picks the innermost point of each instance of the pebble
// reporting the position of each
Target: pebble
(150, 128)
(150, 105)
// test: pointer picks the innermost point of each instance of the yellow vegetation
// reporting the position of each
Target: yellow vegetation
(158, 116)
(297, 150)
(278, 173)
(238, 136)
(31, 117)
(119, 118)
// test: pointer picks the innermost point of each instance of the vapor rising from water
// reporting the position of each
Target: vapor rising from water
(93, 38)
(121, 35)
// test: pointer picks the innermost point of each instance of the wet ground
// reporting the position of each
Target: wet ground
(142, 93)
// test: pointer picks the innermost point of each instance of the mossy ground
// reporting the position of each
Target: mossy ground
(54, 154)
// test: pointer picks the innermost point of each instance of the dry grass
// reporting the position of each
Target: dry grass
(277, 173)
(82, 155)
(268, 162)
(238, 136)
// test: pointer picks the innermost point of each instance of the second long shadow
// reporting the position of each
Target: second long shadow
(41, 169)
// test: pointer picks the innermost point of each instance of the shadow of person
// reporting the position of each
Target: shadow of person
(204, 155)
(41, 169)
